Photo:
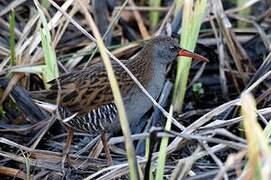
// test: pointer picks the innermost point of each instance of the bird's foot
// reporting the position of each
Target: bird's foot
(106, 150)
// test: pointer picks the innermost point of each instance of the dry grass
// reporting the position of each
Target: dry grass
(222, 132)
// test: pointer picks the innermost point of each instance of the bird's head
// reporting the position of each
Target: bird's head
(166, 49)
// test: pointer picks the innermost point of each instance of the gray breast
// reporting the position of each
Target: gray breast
(137, 105)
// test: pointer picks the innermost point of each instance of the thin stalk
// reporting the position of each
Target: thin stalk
(193, 14)
(116, 18)
(134, 175)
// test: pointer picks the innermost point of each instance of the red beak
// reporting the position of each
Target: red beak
(192, 55)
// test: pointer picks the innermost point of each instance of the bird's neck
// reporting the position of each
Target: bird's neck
(151, 75)
(144, 67)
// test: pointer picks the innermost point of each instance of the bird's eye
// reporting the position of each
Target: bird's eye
(172, 48)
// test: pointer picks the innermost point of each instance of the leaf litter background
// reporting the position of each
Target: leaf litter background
(216, 142)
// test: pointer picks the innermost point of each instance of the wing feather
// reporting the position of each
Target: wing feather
(83, 91)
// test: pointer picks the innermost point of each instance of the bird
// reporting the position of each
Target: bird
(86, 98)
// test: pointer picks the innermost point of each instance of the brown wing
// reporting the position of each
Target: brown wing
(83, 91)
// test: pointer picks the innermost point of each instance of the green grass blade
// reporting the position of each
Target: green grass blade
(245, 12)
(12, 37)
(267, 130)
(154, 15)
(179, 5)
(51, 70)
(257, 142)
(27, 165)
(193, 14)
(147, 154)
(28, 69)
(163, 151)
(45, 4)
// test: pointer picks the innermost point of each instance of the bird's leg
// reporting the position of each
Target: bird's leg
(67, 146)
(106, 149)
